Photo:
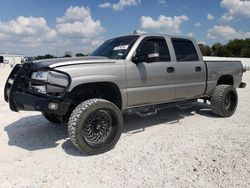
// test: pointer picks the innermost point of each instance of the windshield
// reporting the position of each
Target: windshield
(116, 48)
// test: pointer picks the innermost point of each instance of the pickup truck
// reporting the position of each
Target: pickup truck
(138, 73)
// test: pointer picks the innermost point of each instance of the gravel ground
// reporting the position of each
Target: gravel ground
(175, 148)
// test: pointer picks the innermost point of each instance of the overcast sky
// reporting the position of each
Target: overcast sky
(36, 27)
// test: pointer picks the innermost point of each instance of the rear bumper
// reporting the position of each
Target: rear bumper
(22, 101)
(242, 85)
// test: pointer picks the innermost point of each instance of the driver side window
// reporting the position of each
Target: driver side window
(159, 44)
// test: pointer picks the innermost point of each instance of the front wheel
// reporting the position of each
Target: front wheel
(95, 126)
(224, 100)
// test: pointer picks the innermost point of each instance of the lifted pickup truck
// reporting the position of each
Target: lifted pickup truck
(139, 73)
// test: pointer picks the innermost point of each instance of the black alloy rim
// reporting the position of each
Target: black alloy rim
(98, 128)
(230, 101)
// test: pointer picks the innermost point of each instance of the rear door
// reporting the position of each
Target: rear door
(190, 69)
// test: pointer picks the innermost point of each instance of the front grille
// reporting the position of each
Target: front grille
(20, 80)
(39, 88)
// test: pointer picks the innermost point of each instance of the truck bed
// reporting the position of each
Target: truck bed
(218, 68)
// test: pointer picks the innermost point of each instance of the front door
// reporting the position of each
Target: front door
(150, 82)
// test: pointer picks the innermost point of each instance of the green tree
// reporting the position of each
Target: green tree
(68, 54)
(80, 55)
(235, 47)
(220, 50)
(205, 50)
(47, 56)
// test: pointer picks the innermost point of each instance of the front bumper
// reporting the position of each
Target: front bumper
(22, 101)
(19, 97)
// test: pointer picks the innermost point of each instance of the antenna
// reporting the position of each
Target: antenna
(134, 32)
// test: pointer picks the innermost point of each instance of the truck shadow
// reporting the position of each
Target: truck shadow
(35, 133)
(134, 124)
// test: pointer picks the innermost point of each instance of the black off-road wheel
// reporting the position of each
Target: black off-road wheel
(95, 126)
(51, 118)
(224, 100)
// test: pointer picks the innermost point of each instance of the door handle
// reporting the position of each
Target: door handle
(170, 69)
(197, 69)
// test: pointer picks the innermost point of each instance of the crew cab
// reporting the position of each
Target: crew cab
(139, 73)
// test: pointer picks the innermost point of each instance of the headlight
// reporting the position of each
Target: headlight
(58, 79)
(40, 75)
(50, 82)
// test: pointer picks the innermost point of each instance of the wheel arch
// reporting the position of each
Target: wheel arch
(105, 90)
(225, 80)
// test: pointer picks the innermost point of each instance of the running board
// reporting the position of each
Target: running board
(149, 110)
(147, 113)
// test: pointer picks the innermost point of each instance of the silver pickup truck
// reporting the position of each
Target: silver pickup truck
(139, 73)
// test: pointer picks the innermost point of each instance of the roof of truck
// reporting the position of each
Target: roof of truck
(154, 34)
(161, 35)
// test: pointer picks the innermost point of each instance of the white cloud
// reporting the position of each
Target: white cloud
(227, 17)
(76, 31)
(226, 33)
(27, 27)
(235, 8)
(202, 42)
(141, 31)
(170, 25)
(26, 33)
(191, 34)
(210, 16)
(77, 22)
(119, 6)
(75, 13)
(197, 24)
(105, 5)
(163, 2)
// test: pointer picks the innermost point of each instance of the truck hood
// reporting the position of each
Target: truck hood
(59, 62)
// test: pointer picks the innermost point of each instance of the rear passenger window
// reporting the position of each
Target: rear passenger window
(184, 50)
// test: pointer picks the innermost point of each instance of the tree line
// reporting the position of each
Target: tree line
(66, 54)
(234, 48)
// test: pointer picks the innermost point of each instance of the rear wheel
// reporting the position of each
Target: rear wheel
(224, 100)
(52, 118)
(95, 126)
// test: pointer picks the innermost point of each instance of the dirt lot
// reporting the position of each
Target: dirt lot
(175, 148)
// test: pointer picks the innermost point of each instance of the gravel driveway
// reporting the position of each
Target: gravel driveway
(175, 148)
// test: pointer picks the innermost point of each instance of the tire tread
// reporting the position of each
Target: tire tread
(74, 118)
(217, 100)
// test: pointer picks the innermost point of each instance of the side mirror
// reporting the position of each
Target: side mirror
(135, 59)
(148, 52)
